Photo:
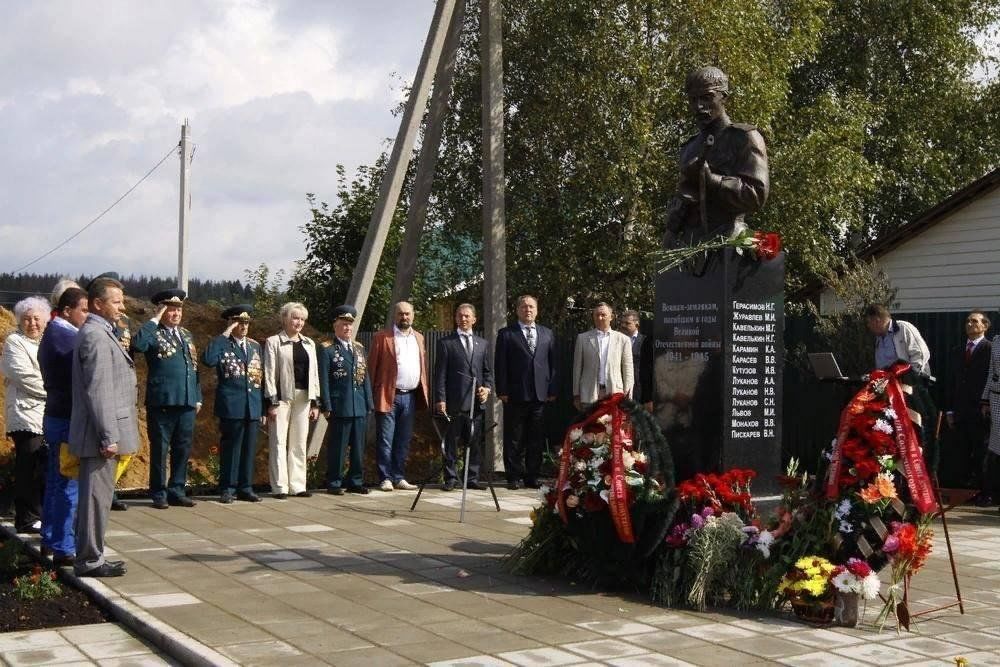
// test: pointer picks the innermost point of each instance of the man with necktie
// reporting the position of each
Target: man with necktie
(173, 397)
(239, 368)
(642, 359)
(346, 399)
(525, 370)
(969, 427)
(463, 380)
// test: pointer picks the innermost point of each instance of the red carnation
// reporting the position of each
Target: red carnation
(767, 244)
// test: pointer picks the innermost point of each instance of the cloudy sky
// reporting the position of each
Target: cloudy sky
(93, 94)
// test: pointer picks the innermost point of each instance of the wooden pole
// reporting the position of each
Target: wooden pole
(494, 233)
(185, 206)
(406, 264)
(392, 181)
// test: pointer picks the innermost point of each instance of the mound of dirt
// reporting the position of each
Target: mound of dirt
(204, 322)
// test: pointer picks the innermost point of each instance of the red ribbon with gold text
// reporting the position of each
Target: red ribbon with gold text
(618, 495)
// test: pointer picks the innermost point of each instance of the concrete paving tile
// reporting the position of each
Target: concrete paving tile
(472, 661)
(31, 639)
(311, 528)
(820, 659)
(114, 649)
(983, 658)
(603, 649)
(648, 659)
(879, 654)
(537, 657)
(216, 637)
(80, 634)
(260, 653)
(822, 639)
(664, 641)
(165, 600)
(333, 640)
(717, 632)
(138, 661)
(293, 565)
(616, 628)
(438, 650)
(972, 639)
(934, 647)
(420, 588)
(767, 626)
(44, 656)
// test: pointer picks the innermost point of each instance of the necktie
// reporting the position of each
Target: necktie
(467, 341)
(530, 335)
(968, 351)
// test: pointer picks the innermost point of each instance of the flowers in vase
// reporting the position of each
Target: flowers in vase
(856, 576)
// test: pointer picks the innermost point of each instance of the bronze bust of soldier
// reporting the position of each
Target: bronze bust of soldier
(723, 168)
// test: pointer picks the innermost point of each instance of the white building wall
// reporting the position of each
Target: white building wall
(952, 266)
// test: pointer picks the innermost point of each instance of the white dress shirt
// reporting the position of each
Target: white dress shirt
(603, 341)
(407, 360)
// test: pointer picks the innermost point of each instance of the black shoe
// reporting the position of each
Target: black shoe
(449, 485)
(475, 486)
(983, 500)
(160, 504)
(279, 496)
(226, 498)
(118, 506)
(513, 485)
(361, 490)
(30, 529)
(63, 561)
(180, 501)
(248, 496)
(303, 494)
(335, 491)
(107, 569)
(532, 484)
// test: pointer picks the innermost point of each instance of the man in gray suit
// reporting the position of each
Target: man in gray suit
(602, 361)
(104, 423)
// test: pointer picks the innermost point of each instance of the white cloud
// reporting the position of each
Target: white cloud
(277, 93)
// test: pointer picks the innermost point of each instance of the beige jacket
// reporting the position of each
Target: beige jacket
(25, 398)
(587, 366)
(279, 373)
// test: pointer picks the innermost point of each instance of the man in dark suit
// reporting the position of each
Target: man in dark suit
(461, 368)
(972, 361)
(642, 359)
(346, 397)
(103, 425)
(525, 365)
(238, 363)
(173, 397)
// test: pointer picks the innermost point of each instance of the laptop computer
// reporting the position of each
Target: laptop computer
(825, 366)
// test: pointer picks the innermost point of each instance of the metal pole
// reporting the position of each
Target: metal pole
(406, 264)
(494, 234)
(185, 206)
(392, 180)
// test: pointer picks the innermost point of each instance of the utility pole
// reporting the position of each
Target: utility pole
(392, 181)
(494, 232)
(185, 206)
(423, 180)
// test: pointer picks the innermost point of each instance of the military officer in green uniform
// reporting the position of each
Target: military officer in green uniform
(173, 397)
(346, 400)
(238, 364)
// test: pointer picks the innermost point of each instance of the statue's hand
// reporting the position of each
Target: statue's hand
(692, 169)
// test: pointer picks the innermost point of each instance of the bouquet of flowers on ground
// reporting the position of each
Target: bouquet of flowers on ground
(856, 576)
(808, 586)
(714, 543)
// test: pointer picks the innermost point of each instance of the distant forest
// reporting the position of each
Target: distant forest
(14, 288)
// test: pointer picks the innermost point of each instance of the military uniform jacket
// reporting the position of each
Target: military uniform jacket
(739, 157)
(172, 366)
(344, 386)
(238, 393)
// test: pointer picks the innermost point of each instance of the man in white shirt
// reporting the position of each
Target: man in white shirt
(602, 361)
(397, 365)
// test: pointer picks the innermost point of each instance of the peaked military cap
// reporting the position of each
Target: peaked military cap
(239, 312)
(345, 312)
(171, 297)
(707, 79)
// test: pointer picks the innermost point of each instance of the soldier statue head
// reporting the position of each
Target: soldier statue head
(707, 90)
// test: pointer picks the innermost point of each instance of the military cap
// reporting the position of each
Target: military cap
(169, 297)
(239, 312)
(113, 275)
(345, 312)
(707, 79)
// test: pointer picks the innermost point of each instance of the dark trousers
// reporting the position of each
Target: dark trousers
(970, 450)
(459, 433)
(343, 434)
(59, 510)
(523, 439)
(170, 429)
(30, 455)
(236, 461)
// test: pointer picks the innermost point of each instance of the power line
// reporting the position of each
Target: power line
(102, 214)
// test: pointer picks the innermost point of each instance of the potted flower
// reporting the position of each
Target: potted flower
(853, 580)
(807, 586)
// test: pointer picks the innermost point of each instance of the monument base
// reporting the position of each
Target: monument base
(718, 358)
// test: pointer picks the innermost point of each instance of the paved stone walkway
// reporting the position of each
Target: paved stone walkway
(351, 580)
(105, 644)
